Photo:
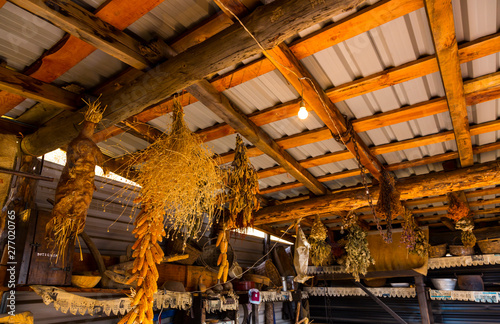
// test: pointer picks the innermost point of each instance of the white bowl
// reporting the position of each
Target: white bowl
(444, 283)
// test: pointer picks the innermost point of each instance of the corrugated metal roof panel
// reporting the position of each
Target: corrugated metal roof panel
(172, 17)
(122, 144)
(21, 108)
(92, 70)
(24, 36)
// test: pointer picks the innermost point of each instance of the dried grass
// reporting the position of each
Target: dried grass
(457, 209)
(180, 178)
(320, 251)
(358, 256)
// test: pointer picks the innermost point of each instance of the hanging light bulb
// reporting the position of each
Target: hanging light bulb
(303, 110)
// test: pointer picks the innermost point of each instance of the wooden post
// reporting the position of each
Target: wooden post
(425, 310)
(255, 314)
(268, 311)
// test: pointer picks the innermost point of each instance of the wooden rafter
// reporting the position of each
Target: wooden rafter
(70, 50)
(362, 21)
(222, 107)
(185, 68)
(26, 86)
(440, 16)
(297, 75)
(438, 183)
(80, 23)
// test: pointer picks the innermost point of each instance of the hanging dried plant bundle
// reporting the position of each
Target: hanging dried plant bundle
(149, 230)
(243, 187)
(358, 257)
(413, 236)
(180, 179)
(466, 225)
(457, 209)
(76, 185)
(320, 251)
(388, 205)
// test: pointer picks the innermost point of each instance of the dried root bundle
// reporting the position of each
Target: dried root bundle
(388, 205)
(466, 225)
(358, 257)
(148, 231)
(413, 236)
(243, 188)
(320, 251)
(94, 112)
(76, 185)
(457, 209)
(180, 179)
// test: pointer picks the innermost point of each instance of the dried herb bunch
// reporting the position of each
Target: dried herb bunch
(358, 257)
(413, 236)
(457, 209)
(179, 178)
(76, 186)
(320, 251)
(388, 205)
(243, 188)
(466, 225)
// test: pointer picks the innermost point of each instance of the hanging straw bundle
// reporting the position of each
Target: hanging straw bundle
(457, 209)
(413, 236)
(76, 185)
(181, 183)
(358, 257)
(181, 179)
(388, 205)
(243, 187)
(320, 251)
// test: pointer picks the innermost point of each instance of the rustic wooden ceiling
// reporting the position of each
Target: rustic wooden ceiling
(187, 65)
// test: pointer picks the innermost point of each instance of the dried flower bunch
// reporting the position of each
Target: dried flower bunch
(76, 186)
(466, 225)
(320, 251)
(243, 188)
(388, 205)
(457, 209)
(358, 257)
(179, 178)
(413, 236)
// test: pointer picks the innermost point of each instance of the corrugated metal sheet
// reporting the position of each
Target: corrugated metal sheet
(172, 17)
(23, 36)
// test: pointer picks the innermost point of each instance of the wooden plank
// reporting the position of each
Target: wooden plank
(222, 107)
(70, 50)
(82, 24)
(440, 17)
(26, 86)
(186, 68)
(423, 161)
(438, 183)
(297, 75)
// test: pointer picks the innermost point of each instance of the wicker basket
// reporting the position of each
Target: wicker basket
(437, 251)
(489, 246)
(175, 247)
(268, 269)
(211, 253)
(460, 250)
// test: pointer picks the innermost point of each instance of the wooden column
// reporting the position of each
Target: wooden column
(423, 302)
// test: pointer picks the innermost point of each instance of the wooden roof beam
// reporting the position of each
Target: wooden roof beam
(362, 21)
(26, 86)
(186, 68)
(439, 183)
(440, 17)
(222, 107)
(80, 23)
(304, 83)
(70, 50)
